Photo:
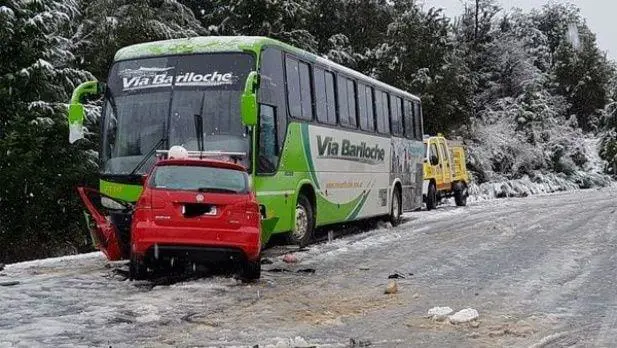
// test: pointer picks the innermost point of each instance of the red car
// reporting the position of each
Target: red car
(196, 211)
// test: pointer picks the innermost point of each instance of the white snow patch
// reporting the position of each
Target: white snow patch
(464, 316)
(58, 261)
(297, 342)
(439, 313)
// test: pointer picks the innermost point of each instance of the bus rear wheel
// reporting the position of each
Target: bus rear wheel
(396, 210)
(303, 223)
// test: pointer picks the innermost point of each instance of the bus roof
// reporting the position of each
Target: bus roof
(208, 44)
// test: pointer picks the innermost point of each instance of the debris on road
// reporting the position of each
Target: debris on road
(359, 343)
(391, 288)
(265, 261)
(364, 268)
(464, 316)
(509, 330)
(306, 270)
(396, 276)
(277, 270)
(9, 283)
(439, 313)
(290, 258)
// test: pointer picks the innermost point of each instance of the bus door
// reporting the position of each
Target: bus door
(446, 163)
(435, 161)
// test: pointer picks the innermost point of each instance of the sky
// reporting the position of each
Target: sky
(600, 16)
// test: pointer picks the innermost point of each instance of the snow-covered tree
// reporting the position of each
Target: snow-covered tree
(280, 19)
(39, 210)
(105, 26)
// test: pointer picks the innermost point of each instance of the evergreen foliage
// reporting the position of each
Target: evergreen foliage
(525, 90)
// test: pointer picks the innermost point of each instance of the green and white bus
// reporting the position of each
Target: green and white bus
(324, 143)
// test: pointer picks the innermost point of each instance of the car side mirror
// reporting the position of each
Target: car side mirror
(434, 160)
(248, 102)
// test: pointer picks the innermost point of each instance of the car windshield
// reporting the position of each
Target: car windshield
(152, 102)
(199, 178)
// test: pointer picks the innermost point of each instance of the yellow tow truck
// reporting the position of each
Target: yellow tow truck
(445, 172)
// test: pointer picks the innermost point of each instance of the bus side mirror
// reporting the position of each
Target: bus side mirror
(77, 112)
(76, 121)
(248, 102)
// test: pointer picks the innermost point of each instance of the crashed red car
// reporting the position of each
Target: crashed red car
(196, 211)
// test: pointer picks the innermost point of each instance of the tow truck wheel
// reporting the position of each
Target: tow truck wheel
(431, 197)
(251, 270)
(137, 269)
(460, 195)
(396, 211)
(303, 223)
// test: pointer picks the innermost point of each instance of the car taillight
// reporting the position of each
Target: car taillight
(245, 212)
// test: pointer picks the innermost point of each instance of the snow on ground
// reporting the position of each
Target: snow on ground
(527, 258)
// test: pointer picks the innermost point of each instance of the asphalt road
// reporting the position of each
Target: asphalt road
(540, 271)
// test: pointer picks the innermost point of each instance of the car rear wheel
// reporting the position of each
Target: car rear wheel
(303, 224)
(137, 269)
(251, 271)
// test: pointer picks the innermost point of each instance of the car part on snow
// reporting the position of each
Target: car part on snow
(111, 232)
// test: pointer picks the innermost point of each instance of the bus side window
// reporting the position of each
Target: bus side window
(395, 115)
(272, 89)
(383, 114)
(298, 89)
(417, 111)
(268, 150)
(408, 119)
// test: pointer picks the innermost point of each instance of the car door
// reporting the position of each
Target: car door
(104, 233)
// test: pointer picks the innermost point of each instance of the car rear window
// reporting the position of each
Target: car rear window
(204, 179)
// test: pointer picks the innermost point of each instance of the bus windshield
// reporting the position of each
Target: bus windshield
(152, 102)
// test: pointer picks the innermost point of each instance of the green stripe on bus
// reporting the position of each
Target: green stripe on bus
(306, 140)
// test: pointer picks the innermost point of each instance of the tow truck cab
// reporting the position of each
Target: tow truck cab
(445, 171)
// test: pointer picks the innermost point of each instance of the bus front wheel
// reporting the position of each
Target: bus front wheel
(303, 222)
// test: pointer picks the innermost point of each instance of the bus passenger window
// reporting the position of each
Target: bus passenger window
(351, 103)
(395, 115)
(298, 89)
(268, 150)
(408, 119)
(343, 108)
(331, 106)
(362, 107)
(370, 110)
(417, 111)
(321, 99)
(383, 113)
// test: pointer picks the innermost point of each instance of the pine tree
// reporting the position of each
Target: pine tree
(39, 208)
(285, 20)
(108, 25)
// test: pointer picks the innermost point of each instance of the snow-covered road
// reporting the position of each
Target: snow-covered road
(540, 271)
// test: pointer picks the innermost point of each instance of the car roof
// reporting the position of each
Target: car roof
(201, 163)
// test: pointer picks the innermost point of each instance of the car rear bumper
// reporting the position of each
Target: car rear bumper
(191, 253)
(200, 245)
